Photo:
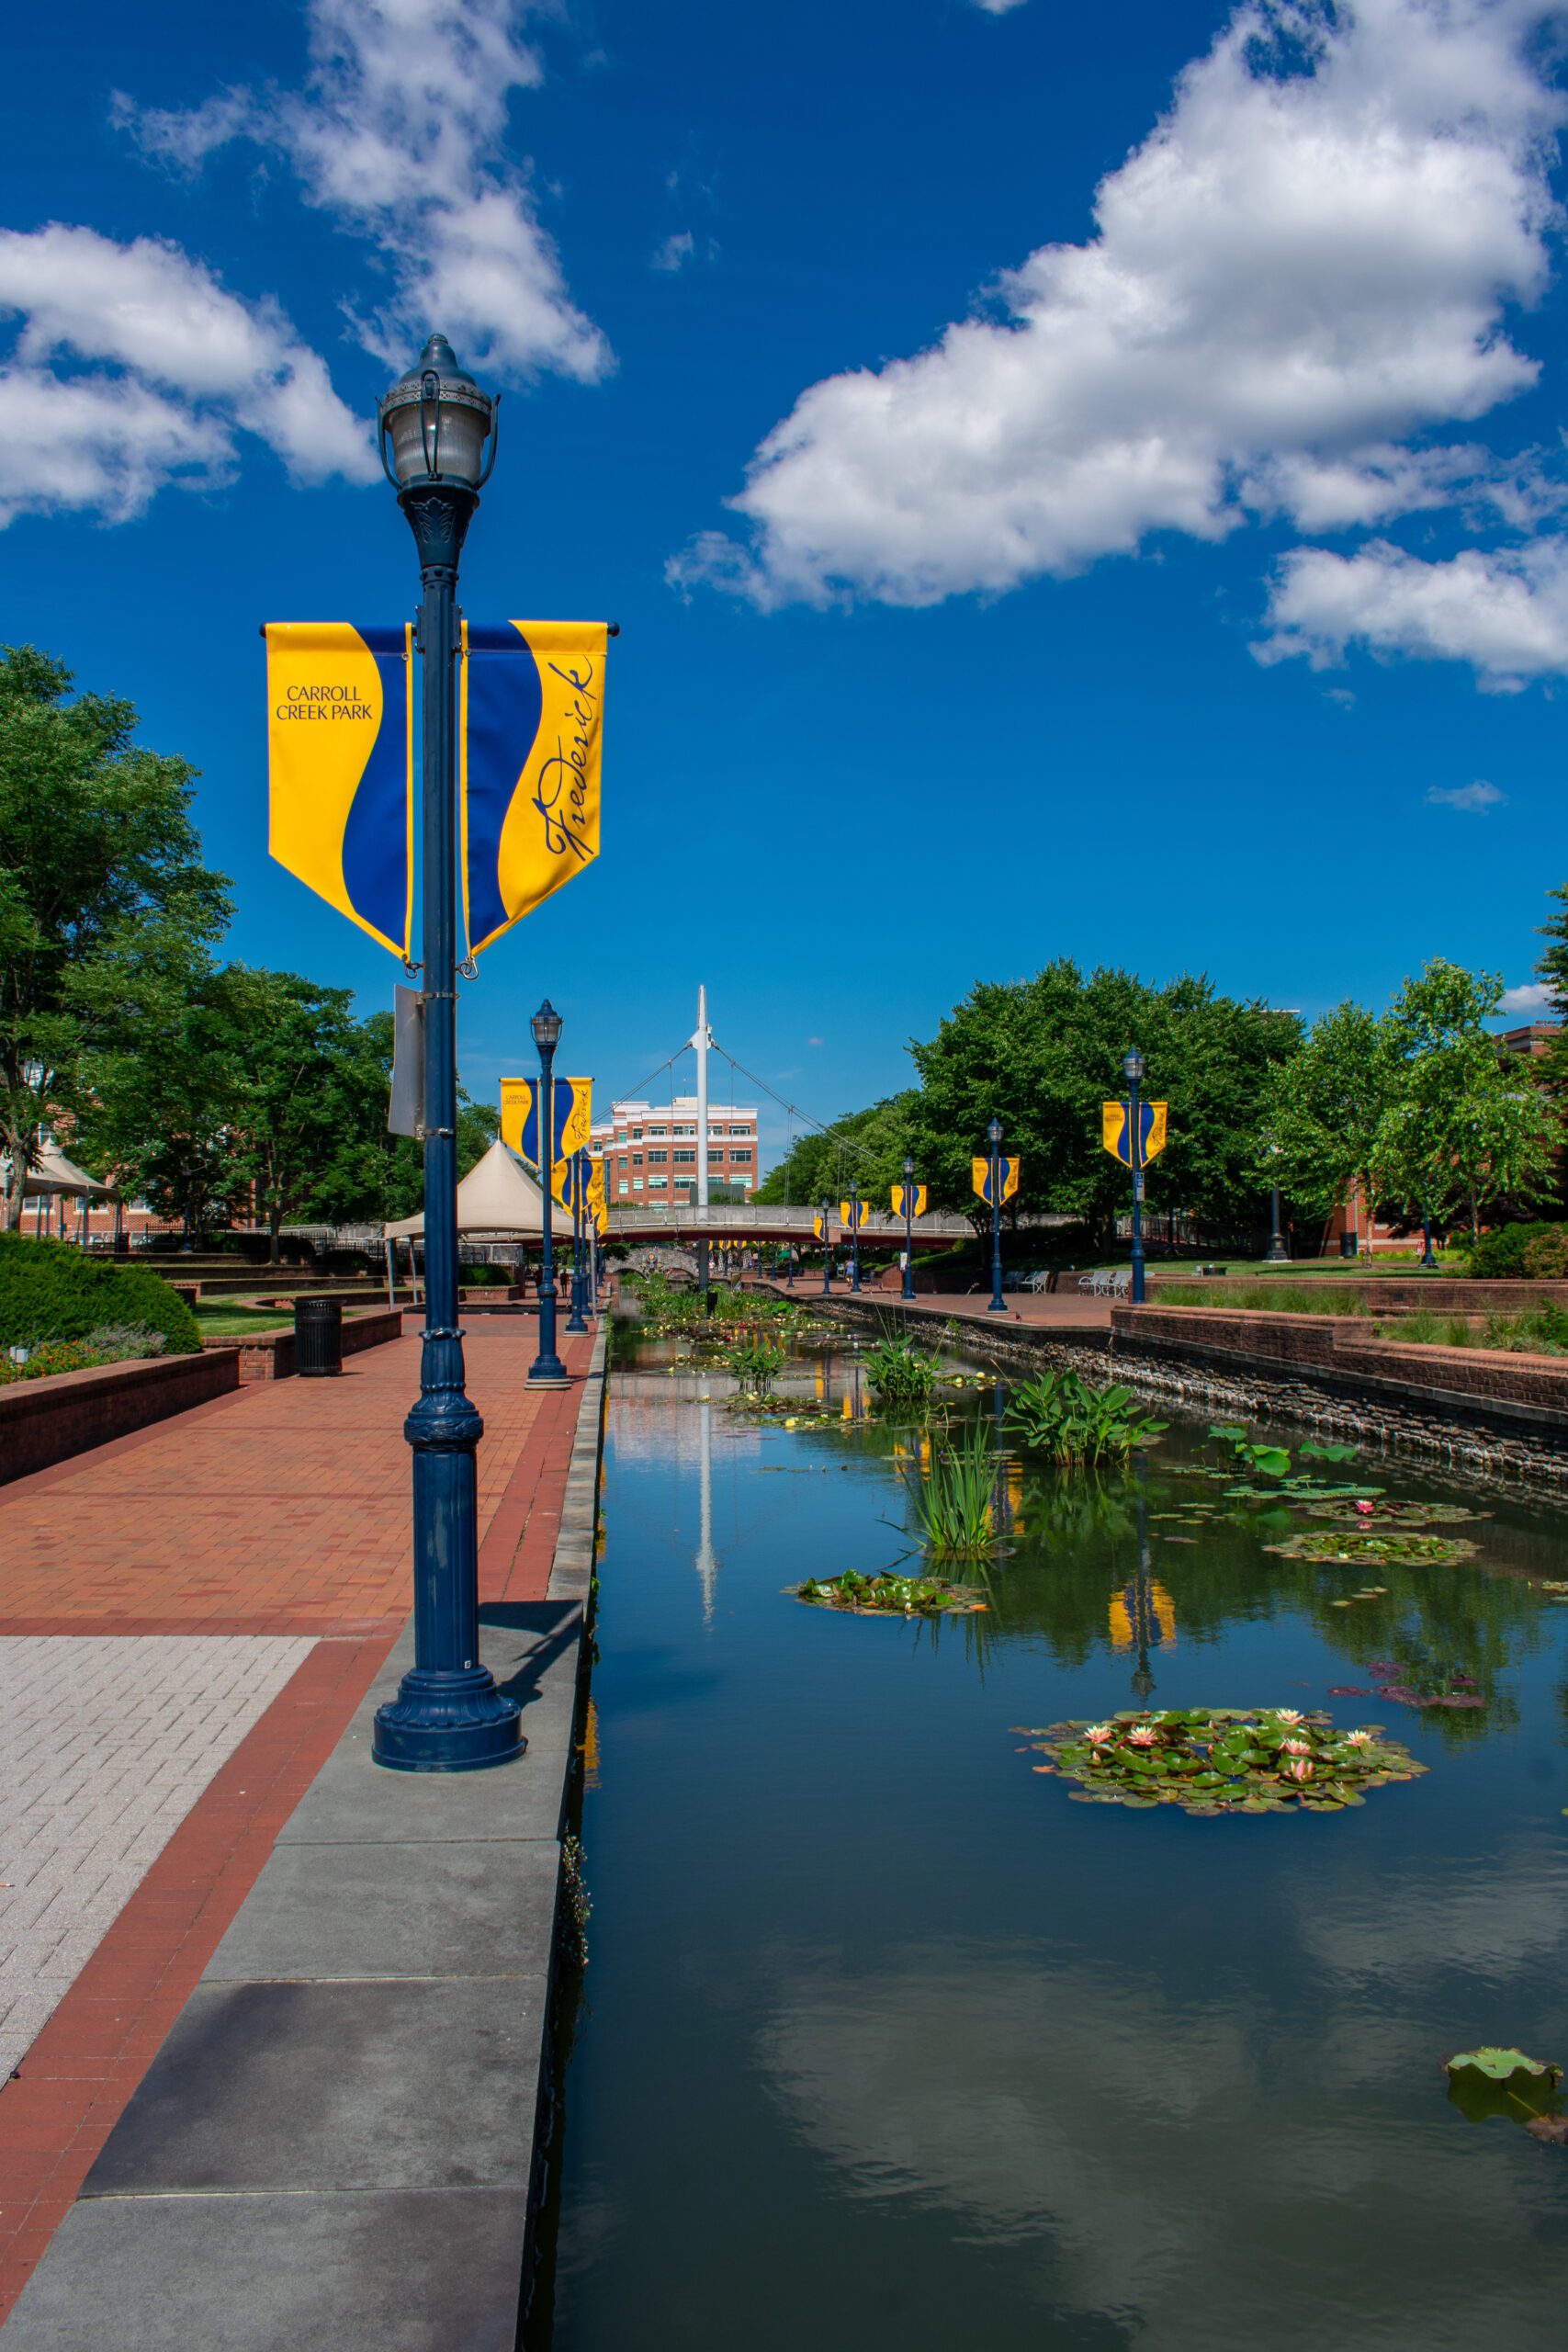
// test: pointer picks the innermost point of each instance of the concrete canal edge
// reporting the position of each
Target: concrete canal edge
(341, 2137)
(1491, 1434)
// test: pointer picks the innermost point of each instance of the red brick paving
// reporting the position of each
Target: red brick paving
(281, 1510)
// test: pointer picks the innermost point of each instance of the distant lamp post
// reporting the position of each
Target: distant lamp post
(908, 1226)
(827, 1249)
(448, 1716)
(994, 1136)
(1133, 1071)
(546, 1371)
(1428, 1255)
(1278, 1253)
(854, 1237)
(577, 1321)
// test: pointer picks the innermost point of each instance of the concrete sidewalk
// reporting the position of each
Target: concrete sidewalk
(196, 1624)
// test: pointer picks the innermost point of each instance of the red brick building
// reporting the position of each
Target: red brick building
(650, 1152)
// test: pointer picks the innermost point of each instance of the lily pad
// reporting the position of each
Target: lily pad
(1225, 1759)
(1491, 2083)
(887, 1595)
(1407, 1547)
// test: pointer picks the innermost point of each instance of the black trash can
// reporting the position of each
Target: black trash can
(1348, 1244)
(318, 1337)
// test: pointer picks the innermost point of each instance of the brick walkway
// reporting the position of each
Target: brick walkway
(1069, 1309)
(188, 1618)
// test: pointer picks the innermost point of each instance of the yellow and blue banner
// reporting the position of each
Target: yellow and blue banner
(817, 1226)
(915, 1195)
(531, 708)
(853, 1214)
(1116, 1131)
(340, 768)
(980, 1177)
(573, 1114)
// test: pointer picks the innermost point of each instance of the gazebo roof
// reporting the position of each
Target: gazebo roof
(498, 1197)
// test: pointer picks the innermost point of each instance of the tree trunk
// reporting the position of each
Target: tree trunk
(15, 1193)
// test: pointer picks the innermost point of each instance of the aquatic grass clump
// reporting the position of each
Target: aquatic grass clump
(1224, 1759)
(954, 1497)
(887, 1595)
(899, 1375)
(1071, 1419)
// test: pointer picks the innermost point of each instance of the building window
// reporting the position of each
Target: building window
(659, 1160)
(636, 1135)
(658, 1183)
(623, 1186)
(636, 1160)
(740, 1131)
(658, 1131)
(637, 1184)
(686, 1159)
(714, 1154)
(736, 1155)
(685, 1131)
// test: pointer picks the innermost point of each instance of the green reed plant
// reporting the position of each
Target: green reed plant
(955, 1500)
(756, 1365)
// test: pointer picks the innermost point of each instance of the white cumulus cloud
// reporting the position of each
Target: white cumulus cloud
(400, 134)
(1530, 998)
(1505, 610)
(1301, 270)
(133, 367)
(1475, 799)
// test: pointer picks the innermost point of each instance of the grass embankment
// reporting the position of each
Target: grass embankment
(233, 1322)
(1540, 1329)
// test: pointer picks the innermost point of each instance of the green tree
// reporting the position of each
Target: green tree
(866, 1148)
(159, 1117)
(1323, 1111)
(1042, 1055)
(1466, 1125)
(107, 913)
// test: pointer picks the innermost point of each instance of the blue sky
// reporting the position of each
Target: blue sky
(1159, 557)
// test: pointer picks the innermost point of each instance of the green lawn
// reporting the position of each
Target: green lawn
(229, 1322)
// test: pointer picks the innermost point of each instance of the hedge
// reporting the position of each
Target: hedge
(1500, 1255)
(50, 1289)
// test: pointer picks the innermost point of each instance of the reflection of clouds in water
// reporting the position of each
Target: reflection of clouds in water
(1507, 1911)
(1186, 2170)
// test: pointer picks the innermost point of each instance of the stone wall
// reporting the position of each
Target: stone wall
(45, 1421)
(269, 1356)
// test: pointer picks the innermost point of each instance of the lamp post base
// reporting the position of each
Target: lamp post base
(1276, 1254)
(447, 1722)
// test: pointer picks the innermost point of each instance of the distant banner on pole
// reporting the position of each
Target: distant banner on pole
(520, 1122)
(531, 708)
(340, 768)
(853, 1214)
(908, 1200)
(1115, 1131)
(817, 1226)
(980, 1178)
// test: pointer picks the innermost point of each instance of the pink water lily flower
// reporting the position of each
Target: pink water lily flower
(1296, 1747)
(1287, 1714)
(1142, 1737)
(1358, 1739)
(1300, 1768)
(1364, 1509)
(1097, 1735)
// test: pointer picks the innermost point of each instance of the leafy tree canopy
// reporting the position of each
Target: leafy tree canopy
(107, 913)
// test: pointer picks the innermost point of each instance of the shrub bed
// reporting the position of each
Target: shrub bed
(50, 1290)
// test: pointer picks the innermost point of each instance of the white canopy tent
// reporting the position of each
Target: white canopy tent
(497, 1201)
(54, 1177)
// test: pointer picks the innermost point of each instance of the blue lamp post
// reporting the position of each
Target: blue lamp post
(546, 1371)
(1133, 1071)
(854, 1236)
(577, 1321)
(448, 1716)
(827, 1249)
(994, 1136)
(908, 1226)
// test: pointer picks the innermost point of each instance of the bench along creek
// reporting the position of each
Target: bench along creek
(999, 1975)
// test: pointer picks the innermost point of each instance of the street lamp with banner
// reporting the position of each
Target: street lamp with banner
(438, 439)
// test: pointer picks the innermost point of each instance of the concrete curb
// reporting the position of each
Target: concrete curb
(571, 1569)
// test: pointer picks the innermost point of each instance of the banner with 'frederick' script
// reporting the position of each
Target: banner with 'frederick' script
(530, 726)
(340, 753)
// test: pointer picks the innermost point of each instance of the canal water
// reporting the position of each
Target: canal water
(887, 2045)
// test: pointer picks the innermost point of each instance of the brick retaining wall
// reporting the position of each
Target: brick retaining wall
(269, 1356)
(1528, 1387)
(45, 1421)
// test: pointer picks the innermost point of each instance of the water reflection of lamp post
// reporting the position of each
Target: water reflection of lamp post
(1141, 1616)
(908, 1226)
(707, 1567)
